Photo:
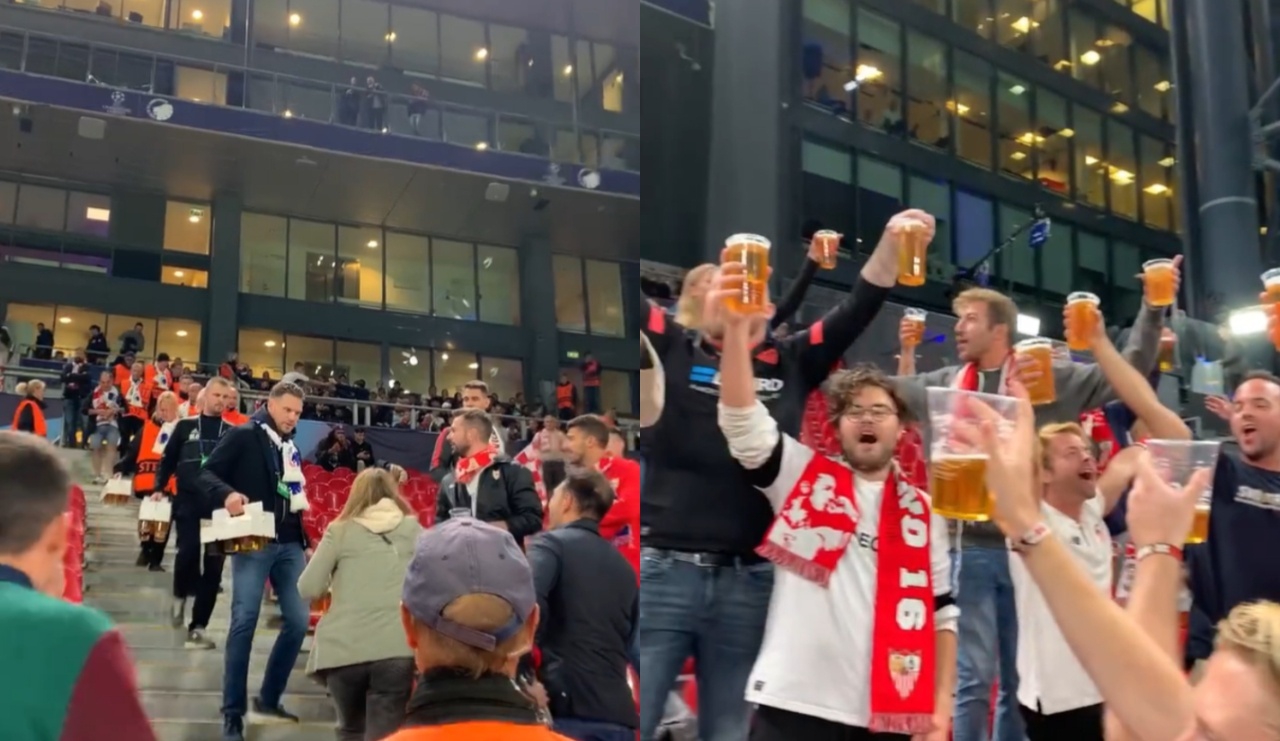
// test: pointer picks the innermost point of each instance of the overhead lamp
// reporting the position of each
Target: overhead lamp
(1067, 133)
(1247, 321)
(372, 244)
(482, 54)
(294, 19)
(1024, 25)
(1018, 156)
(288, 113)
(568, 70)
(391, 37)
(1028, 325)
(97, 214)
(1017, 90)
(473, 366)
(197, 15)
(444, 356)
(957, 107)
(1156, 189)
(270, 343)
(1119, 108)
(194, 215)
(1163, 86)
(867, 72)
(1091, 57)
(64, 320)
(1090, 160)
(178, 273)
(181, 333)
(1123, 177)
(482, 146)
(1167, 162)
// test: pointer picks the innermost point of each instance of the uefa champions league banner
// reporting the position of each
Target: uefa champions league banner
(110, 101)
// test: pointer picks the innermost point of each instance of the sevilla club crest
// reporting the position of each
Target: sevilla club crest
(905, 670)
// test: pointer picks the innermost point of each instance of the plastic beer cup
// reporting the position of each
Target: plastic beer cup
(915, 323)
(1271, 297)
(828, 243)
(957, 466)
(1082, 319)
(1176, 461)
(1035, 369)
(911, 254)
(752, 250)
(1158, 278)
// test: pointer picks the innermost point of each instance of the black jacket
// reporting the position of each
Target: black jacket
(447, 696)
(504, 492)
(444, 458)
(76, 381)
(182, 456)
(246, 461)
(589, 606)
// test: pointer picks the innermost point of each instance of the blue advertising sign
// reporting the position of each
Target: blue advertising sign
(268, 126)
(1038, 234)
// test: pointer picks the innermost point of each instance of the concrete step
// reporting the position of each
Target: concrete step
(171, 705)
(180, 659)
(156, 635)
(205, 730)
(208, 676)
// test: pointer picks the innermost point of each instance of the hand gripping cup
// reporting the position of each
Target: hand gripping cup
(752, 250)
(1035, 369)
(957, 466)
(915, 324)
(1271, 298)
(911, 254)
(1175, 461)
(828, 244)
(1158, 279)
(1082, 319)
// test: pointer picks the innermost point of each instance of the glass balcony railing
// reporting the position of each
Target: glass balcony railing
(354, 105)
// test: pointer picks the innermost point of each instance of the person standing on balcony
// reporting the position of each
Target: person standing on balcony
(591, 385)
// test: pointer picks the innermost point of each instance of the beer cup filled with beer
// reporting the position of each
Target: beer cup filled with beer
(1176, 461)
(1271, 298)
(826, 247)
(1082, 319)
(752, 250)
(1158, 282)
(913, 319)
(911, 253)
(1034, 358)
(957, 466)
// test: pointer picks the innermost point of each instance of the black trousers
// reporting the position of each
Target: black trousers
(553, 475)
(194, 573)
(772, 724)
(1081, 724)
(370, 697)
(129, 426)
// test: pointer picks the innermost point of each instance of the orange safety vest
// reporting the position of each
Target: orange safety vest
(477, 731)
(37, 414)
(134, 411)
(234, 417)
(144, 479)
(564, 396)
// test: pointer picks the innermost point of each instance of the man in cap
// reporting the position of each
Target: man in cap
(470, 612)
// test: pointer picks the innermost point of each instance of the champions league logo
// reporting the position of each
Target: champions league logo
(553, 176)
(588, 178)
(117, 106)
(160, 109)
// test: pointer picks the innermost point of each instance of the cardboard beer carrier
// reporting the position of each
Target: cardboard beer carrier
(154, 519)
(118, 491)
(244, 533)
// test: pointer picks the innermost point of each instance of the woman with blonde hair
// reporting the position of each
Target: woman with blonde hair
(360, 653)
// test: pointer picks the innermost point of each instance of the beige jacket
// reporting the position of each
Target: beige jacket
(362, 562)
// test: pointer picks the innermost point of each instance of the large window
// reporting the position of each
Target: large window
(571, 304)
(453, 279)
(118, 324)
(89, 213)
(1016, 138)
(615, 391)
(42, 208)
(928, 120)
(264, 244)
(187, 227)
(827, 64)
(878, 73)
(358, 274)
(359, 361)
(879, 197)
(1156, 160)
(463, 50)
(1151, 81)
(189, 277)
(1085, 54)
(262, 350)
(934, 196)
(1122, 169)
(315, 354)
(411, 368)
(180, 338)
(1090, 161)
(408, 272)
(498, 283)
(417, 39)
(199, 85)
(604, 298)
(202, 17)
(366, 31)
(505, 376)
(8, 201)
(972, 108)
(975, 15)
(827, 192)
(1057, 261)
(975, 228)
(453, 368)
(1092, 264)
(1017, 264)
(311, 260)
(1117, 75)
(1053, 137)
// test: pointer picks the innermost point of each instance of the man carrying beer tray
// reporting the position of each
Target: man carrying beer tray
(860, 638)
(705, 590)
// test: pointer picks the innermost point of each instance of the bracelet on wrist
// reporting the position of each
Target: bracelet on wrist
(1031, 538)
(1159, 549)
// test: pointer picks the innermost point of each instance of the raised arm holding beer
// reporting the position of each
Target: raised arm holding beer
(692, 480)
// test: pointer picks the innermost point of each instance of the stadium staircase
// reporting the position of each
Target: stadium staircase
(181, 688)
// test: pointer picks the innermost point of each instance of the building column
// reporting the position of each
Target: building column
(221, 329)
(538, 316)
(749, 172)
(1228, 207)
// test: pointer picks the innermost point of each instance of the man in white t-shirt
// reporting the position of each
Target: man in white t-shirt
(846, 653)
(1058, 699)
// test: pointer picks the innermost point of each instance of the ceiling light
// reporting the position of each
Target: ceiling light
(1119, 107)
(270, 343)
(1104, 43)
(1123, 177)
(1163, 86)
(473, 366)
(1028, 325)
(1067, 133)
(1091, 57)
(1062, 65)
(413, 360)
(444, 356)
(197, 15)
(294, 19)
(97, 214)
(867, 72)
(1156, 189)
(568, 70)
(194, 215)
(1018, 156)
(1090, 160)
(178, 273)
(182, 333)
(288, 113)
(1252, 320)
(372, 244)
(482, 54)
(482, 146)
(955, 107)
(1262, 230)
(1167, 162)
(64, 320)
(1017, 90)
(391, 36)
(618, 79)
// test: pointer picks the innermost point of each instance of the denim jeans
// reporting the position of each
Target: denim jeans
(591, 730)
(988, 644)
(282, 563)
(72, 421)
(714, 613)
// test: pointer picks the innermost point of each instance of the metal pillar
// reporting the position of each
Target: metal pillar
(1188, 194)
(1228, 208)
(749, 172)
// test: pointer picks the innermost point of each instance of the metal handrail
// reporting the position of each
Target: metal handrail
(281, 84)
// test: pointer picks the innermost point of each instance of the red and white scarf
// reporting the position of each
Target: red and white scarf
(967, 378)
(467, 468)
(902, 639)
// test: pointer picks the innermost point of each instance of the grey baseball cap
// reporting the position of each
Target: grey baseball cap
(464, 556)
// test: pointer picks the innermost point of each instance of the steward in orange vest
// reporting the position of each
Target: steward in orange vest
(566, 399)
(143, 461)
(29, 416)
